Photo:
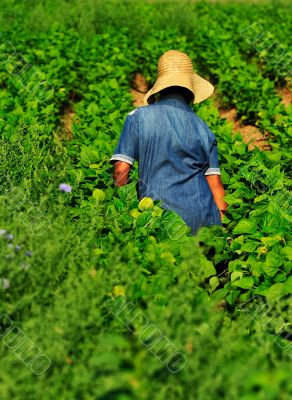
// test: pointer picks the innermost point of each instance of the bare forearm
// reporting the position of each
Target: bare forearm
(120, 180)
(217, 189)
(218, 195)
(121, 173)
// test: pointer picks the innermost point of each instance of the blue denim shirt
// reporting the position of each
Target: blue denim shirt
(175, 149)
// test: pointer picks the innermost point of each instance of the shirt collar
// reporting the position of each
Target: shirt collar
(175, 99)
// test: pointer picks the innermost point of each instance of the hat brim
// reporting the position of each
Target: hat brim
(200, 87)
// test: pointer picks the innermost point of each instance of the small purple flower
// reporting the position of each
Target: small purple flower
(2, 232)
(65, 188)
(17, 248)
(9, 236)
(28, 253)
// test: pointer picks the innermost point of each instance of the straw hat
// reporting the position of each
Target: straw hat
(176, 69)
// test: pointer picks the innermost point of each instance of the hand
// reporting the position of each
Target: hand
(222, 213)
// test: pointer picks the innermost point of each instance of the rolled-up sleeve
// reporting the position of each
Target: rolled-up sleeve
(213, 167)
(127, 147)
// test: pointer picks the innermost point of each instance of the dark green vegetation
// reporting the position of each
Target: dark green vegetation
(221, 298)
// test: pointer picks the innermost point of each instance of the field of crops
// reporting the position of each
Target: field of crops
(102, 299)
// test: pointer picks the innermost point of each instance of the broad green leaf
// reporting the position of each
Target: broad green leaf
(288, 285)
(118, 204)
(275, 291)
(113, 83)
(237, 243)
(244, 283)
(225, 177)
(167, 256)
(235, 265)
(145, 204)
(249, 246)
(282, 277)
(208, 268)
(245, 226)
(231, 200)
(287, 251)
(236, 275)
(261, 198)
(92, 108)
(231, 298)
(119, 290)
(220, 293)
(271, 223)
(174, 226)
(271, 240)
(272, 264)
(135, 213)
(99, 195)
(256, 268)
(214, 282)
(89, 155)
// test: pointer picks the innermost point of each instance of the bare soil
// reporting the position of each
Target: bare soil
(139, 89)
(286, 95)
(251, 135)
(67, 123)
